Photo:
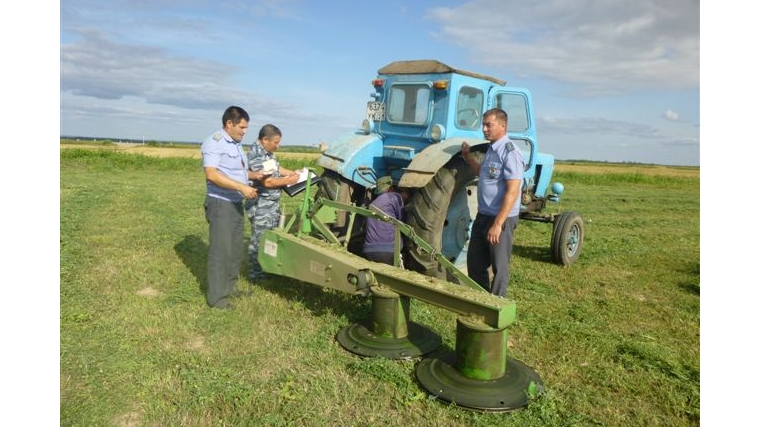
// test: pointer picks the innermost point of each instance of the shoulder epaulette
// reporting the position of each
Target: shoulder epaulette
(510, 146)
(217, 137)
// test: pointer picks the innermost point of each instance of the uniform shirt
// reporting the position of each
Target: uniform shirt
(503, 161)
(257, 155)
(223, 153)
(380, 235)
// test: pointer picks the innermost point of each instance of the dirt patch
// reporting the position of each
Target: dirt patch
(600, 168)
(148, 292)
(184, 151)
(128, 419)
(196, 344)
(147, 150)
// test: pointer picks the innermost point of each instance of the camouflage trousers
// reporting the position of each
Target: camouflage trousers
(264, 215)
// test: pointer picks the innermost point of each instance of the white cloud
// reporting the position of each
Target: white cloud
(596, 126)
(610, 47)
(98, 67)
(671, 115)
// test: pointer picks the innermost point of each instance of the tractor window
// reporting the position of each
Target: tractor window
(469, 108)
(517, 111)
(409, 104)
(527, 149)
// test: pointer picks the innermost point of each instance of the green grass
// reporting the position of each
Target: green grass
(615, 337)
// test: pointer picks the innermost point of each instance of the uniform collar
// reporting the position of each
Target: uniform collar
(258, 142)
(228, 138)
(499, 142)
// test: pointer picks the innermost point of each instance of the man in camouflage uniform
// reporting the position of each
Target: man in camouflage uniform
(264, 211)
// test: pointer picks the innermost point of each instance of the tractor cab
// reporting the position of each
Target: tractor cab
(419, 114)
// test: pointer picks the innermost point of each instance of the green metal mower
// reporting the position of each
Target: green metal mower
(479, 375)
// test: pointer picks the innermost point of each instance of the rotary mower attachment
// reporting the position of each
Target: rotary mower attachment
(479, 375)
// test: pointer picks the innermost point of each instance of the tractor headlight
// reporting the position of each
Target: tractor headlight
(368, 126)
(558, 188)
(437, 133)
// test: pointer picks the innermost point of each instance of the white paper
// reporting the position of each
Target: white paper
(269, 166)
(302, 174)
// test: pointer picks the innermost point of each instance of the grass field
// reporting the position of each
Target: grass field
(615, 337)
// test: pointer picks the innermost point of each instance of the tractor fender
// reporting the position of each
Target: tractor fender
(425, 164)
(546, 161)
(349, 152)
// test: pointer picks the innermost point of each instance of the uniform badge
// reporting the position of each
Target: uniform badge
(217, 137)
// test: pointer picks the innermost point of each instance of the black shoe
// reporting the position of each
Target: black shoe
(228, 306)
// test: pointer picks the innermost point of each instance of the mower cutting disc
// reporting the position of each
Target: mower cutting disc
(359, 340)
(510, 392)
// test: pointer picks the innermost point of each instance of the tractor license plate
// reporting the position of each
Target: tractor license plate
(375, 111)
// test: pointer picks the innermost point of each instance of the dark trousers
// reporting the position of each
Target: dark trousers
(225, 248)
(481, 254)
(384, 257)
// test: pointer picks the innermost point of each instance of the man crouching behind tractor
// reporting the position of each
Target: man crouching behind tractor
(379, 241)
(500, 177)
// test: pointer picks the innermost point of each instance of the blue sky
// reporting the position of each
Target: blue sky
(613, 80)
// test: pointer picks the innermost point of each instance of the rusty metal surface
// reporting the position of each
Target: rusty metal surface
(425, 66)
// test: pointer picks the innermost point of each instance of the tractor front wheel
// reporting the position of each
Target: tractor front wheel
(333, 186)
(567, 238)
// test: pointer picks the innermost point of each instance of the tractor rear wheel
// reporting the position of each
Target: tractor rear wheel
(567, 238)
(441, 213)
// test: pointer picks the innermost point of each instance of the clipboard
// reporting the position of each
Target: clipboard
(299, 186)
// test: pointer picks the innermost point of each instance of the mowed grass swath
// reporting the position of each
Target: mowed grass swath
(615, 336)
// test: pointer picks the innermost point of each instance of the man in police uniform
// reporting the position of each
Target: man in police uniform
(500, 177)
(264, 211)
(227, 177)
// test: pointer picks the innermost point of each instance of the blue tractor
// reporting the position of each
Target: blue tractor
(419, 114)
